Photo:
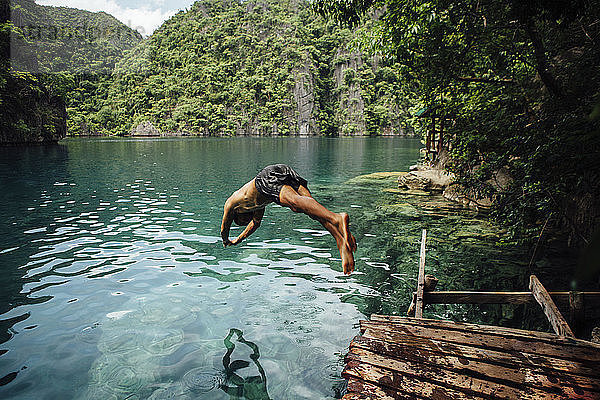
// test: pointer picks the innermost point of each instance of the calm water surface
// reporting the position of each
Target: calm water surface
(114, 283)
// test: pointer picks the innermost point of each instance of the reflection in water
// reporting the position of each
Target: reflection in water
(251, 387)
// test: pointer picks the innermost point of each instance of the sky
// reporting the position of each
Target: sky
(143, 15)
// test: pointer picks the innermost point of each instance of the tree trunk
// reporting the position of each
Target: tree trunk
(540, 56)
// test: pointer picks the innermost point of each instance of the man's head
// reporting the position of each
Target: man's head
(242, 219)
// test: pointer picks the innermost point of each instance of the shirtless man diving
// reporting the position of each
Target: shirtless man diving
(282, 185)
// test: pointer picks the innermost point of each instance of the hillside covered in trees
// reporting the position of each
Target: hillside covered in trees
(258, 67)
(223, 67)
(518, 83)
(55, 63)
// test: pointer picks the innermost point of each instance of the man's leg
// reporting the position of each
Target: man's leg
(303, 191)
(337, 224)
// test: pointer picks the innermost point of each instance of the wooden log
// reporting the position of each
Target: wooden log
(500, 331)
(489, 341)
(498, 357)
(561, 299)
(556, 319)
(513, 375)
(413, 386)
(421, 278)
(465, 381)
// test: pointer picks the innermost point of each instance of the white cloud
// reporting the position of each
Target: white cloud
(144, 19)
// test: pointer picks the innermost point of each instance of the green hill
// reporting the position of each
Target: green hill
(262, 67)
(56, 61)
(67, 40)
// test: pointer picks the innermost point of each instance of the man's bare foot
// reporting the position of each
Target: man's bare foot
(347, 260)
(348, 245)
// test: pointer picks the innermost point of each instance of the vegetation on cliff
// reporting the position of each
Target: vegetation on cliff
(52, 58)
(256, 67)
(520, 81)
(30, 112)
(223, 67)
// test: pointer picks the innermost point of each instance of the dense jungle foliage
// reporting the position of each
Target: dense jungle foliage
(520, 82)
(52, 56)
(219, 68)
(267, 67)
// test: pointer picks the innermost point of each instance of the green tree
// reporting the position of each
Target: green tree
(520, 79)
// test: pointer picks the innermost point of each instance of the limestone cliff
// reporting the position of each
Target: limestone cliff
(260, 67)
(351, 105)
(304, 97)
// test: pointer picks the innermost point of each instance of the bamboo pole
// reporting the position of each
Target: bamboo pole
(421, 278)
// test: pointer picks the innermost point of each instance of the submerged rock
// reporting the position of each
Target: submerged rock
(456, 193)
(375, 177)
(132, 343)
(201, 380)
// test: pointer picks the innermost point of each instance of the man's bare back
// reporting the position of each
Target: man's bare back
(281, 184)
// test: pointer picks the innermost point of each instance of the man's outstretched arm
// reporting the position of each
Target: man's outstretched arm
(226, 223)
(251, 227)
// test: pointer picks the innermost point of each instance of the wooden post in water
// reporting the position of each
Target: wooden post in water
(421, 278)
(576, 311)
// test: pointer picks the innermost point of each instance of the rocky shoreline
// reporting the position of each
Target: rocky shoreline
(434, 180)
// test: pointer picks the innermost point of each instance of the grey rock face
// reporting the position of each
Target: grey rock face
(145, 129)
(305, 102)
(351, 102)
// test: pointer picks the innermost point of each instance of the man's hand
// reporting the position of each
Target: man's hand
(227, 242)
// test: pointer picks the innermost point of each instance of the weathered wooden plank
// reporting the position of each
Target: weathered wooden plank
(499, 357)
(419, 383)
(368, 390)
(414, 386)
(421, 278)
(485, 340)
(516, 375)
(360, 396)
(559, 324)
(465, 381)
(545, 337)
(355, 396)
(561, 299)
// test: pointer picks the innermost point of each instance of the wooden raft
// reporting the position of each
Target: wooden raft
(416, 358)
(413, 358)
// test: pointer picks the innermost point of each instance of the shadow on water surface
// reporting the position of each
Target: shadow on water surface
(251, 387)
(204, 383)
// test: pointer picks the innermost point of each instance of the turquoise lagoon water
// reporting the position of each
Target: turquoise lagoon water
(114, 283)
